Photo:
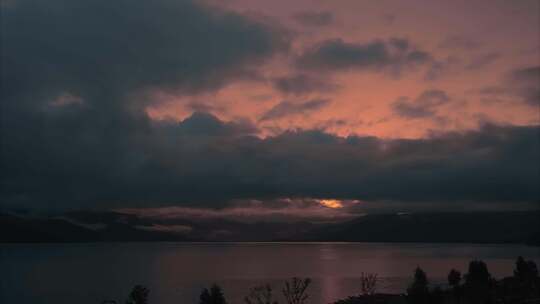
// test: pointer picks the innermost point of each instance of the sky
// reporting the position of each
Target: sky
(270, 109)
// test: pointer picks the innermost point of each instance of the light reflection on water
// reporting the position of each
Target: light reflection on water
(175, 272)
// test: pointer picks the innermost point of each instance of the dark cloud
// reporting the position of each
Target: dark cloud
(286, 108)
(75, 75)
(104, 50)
(203, 125)
(203, 162)
(74, 134)
(528, 74)
(519, 85)
(526, 82)
(300, 84)
(336, 54)
(482, 61)
(314, 18)
(423, 106)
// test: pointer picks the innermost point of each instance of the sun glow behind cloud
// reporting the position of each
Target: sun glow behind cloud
(273, 210)
(331, 203)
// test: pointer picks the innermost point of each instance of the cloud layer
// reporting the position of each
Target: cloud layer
(79, 77)
(205, 162)
(337, 54)
(50, 48)
(287, 108)
(422, 106)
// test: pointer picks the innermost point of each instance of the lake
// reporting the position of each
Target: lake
(176, 272)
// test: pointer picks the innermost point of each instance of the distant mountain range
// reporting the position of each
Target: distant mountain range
(477, 227)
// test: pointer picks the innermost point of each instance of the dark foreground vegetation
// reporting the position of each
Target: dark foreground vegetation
(475, 287)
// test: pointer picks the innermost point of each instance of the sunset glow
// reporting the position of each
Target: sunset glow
(214, 151)
(331, 203)
(270, 110)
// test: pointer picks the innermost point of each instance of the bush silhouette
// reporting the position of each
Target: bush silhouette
(260, 295)
(436, 296)
(139, 295)
(418, 292)
(213, 296)
(295, 291)
(454, 280)
(368, 283)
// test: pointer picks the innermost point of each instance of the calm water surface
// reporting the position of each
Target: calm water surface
(175, 272)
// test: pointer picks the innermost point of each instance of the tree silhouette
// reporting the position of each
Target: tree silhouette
(205, 297)
(478, 282)
(478, 273)
(526, 281)
(418, 292)
(295, 291)
(525, 270)
(213, 296)
(454, 278)
(260, 295)
(139, 295)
